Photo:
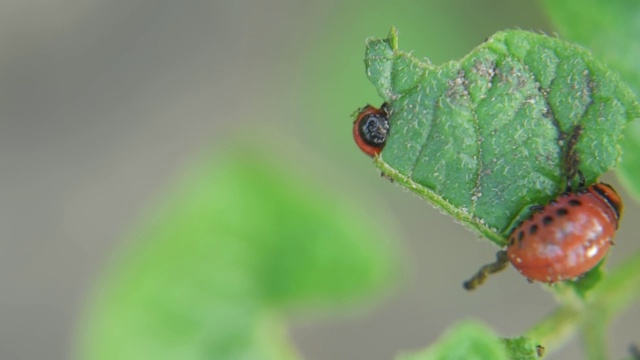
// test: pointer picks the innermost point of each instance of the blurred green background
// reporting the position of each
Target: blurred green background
(106, 104)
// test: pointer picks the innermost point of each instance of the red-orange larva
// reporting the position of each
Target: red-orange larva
(567, 237)
(371, 128)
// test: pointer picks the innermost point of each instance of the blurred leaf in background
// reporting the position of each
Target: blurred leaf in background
(240, 243)
(465, 341)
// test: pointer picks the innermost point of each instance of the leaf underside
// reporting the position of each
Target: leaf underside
(486, 137)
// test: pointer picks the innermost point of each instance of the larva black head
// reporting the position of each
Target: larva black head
(371, 128)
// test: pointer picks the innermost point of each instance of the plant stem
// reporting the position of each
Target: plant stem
(594, 338)
(616, 292)
(609, 298)
(557, 328)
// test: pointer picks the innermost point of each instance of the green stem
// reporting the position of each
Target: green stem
(618, 290)
(606, 301)
(557, 328)
(274, 340)
(594, 338)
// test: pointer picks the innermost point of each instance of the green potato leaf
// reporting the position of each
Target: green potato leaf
(610, 29)
(485, 137)
(465, 341)
(241, 243)
(523, 348)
